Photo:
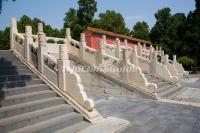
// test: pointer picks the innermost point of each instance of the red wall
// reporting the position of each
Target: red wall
(92, 40)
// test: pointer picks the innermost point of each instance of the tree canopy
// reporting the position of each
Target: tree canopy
(140, 30)
(111, 21)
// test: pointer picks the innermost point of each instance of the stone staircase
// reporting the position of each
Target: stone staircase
(166, 89)
(27, 104)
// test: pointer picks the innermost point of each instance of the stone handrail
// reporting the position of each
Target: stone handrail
(64, 79)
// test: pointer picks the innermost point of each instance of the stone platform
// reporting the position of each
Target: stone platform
(149, 116)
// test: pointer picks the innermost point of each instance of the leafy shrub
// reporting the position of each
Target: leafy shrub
(186, 61)
(50, 41)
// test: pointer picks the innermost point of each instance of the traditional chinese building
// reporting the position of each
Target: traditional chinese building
(94, 35)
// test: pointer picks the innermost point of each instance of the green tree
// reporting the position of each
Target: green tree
(111, 21)
(140, 30)
(79, 19)
(86, 11)
(168, 31)
(5, 39)
(192, 35)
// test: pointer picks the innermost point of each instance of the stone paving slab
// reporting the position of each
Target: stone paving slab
(149, 116)
(107, 125)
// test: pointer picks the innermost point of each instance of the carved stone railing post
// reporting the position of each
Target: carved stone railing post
(155, 59)
(28, 41)
(13, 29)
(126, 43)
(162, 56)
(134, 56)
(144, 46)
(63, 61)
(68, 33)
(124, 64)
(118, 49)
(42, 44)
(157, 48)
(104, 39)
(166, 60)
(100, 54)
(174, 59)
(139, 49)
(82, 45)
(151, 52)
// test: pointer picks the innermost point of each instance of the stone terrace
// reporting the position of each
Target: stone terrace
(149, 116)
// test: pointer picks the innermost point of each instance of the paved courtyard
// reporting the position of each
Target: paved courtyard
(149, 116)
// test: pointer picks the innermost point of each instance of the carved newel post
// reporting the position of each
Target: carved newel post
(139, 49)
(28, 41)
(124, 64)
(13, 29)
(101, 52)
(118, 49)
(162, 56)
(155, 60)
(151, 53)
(104, 39)
(174, 59)
(63, 62)
(42, 44)
(68, 33)
(134, 56)
(166, 61)
(82, 45)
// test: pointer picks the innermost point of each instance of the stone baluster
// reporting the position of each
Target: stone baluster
(166, 61)
(155, 60)
(151, 52)
(63, 62)
(42, 44)
(82, 45)
(162, 56)
(139, 49)
(125, 43)
(174, 59)
(13, 29)
(68, 33)
(157, 48)
(118, 49)
(124, 64)
(144, 46)
(104, 39)
(28, 41)
(134, 56)
(101, 52)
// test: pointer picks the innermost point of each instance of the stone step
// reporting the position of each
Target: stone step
(17, 109)
(4, 53)
(164, 88)
(19, 83)
(5, 78)
(170, 91)
(154, 80)
(75, 127)
(23, 90)
(23, 120)
(175, 94)
(53, 124)
(15, 72)
(12, 68)
(11, 63)
(23, 98)
(162, 84)
(9, 58)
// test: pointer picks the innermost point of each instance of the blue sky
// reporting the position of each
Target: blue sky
(53, 11)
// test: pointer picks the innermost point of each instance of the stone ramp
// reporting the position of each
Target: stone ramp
(27, 104)
(149, 116)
